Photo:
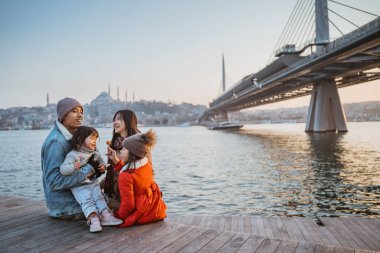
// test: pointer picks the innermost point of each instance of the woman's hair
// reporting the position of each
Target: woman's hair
(80, 134)
(146, 142)
(130, 120)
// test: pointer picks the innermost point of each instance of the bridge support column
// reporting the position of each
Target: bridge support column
(326, 113)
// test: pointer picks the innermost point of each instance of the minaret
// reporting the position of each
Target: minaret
(109, 89)
(118, 98)
(133, 98)
(47, 99)
(126, 96)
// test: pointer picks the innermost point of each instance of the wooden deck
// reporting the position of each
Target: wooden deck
(26, 227)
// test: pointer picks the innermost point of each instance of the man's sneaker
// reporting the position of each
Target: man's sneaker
(94, 223)
(109, 220)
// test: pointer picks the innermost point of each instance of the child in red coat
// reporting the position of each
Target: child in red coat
(141, 198)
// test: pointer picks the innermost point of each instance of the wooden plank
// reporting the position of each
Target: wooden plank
(234, 244)
(254, 226)
(260, 225)
(22, 222)
(351, 234)
(186, 220)
(368, 238)
(275, 230)
(310, 235)
(131, 234)
(268, 246)
(234, 224)
(181, 219)
(35, 230)
(344, 240)
(14, 201)
(364, 251)
(240, 227)
(215, 222)
(305, 247)
(293, 229)
(323, 249)
(267, 227)
(217, 242)
(323, 232)
(65, 236)
(281, 228)
(32, 237)
(16, 214)
(172, 218)
(147, 236)
(343, 250)
(247, 224)
(368, 229)
(197, 220)
(287, 246)
(163, 242)
(202, 223)
(190, 220)
(222, 221)
(208, 221)
(251, 244)
(181, 242)
(200, 241)
(227, 223)
(91, 240)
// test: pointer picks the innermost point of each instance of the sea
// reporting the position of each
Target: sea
(264, 169)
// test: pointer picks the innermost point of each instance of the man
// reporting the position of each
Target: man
(59, 199)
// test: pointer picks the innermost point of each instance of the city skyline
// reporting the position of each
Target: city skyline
(163, 51)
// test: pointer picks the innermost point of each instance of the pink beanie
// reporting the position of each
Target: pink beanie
(65, 105)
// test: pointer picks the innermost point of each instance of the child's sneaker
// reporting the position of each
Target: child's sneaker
(109, 220)
(94, 223)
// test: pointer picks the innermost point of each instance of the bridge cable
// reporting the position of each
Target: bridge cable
(354, 8)
(343, 18)
(297, 25)
(302, 35)
(286, 28)
(301, 23)
(312, 33)
(335, 26)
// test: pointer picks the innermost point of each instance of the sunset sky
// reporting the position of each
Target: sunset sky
(166, 50)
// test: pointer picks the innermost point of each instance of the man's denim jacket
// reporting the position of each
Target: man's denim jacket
(59, 199)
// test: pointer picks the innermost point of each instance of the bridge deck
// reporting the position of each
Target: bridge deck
(25, 227)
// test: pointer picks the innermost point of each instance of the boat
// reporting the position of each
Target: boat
(225, 125)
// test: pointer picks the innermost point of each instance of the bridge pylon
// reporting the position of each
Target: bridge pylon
(326, 113)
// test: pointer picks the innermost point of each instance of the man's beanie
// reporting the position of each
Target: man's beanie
(136, 145)
(65, 105)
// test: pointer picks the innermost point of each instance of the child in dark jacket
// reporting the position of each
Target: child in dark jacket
(141, 198)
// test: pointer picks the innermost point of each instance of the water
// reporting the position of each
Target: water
(261, 170)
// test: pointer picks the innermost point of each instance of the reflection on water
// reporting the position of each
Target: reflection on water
(346, 179)
(260, 170)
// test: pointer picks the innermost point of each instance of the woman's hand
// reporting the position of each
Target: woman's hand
(111, 154)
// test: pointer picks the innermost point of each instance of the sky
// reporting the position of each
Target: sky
(167, 50)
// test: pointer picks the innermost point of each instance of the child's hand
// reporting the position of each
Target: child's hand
(111, 154)
(102, 168)
(77, 165)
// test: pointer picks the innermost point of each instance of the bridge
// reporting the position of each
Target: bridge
(351, 59)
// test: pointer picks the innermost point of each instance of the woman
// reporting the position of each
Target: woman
(124, 125)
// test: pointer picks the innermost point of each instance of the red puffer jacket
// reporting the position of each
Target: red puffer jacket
(141, 198)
